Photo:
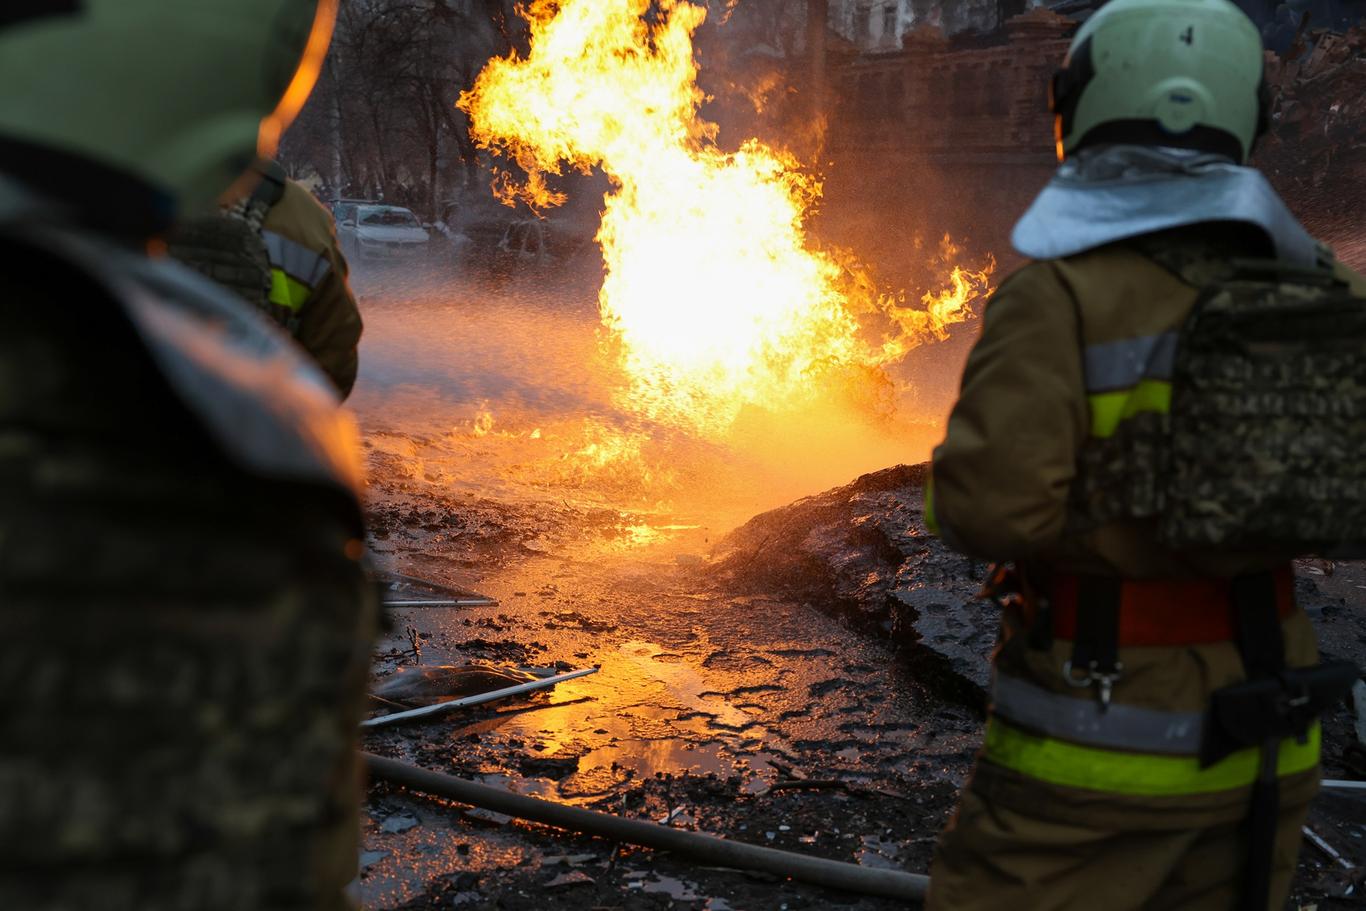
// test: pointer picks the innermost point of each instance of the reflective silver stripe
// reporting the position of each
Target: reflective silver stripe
(296, 260)
(1081, 720)
(1125, 363)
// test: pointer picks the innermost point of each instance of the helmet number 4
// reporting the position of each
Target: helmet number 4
(1188, 35)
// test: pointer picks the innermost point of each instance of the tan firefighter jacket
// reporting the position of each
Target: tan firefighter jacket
(1000, 491)
(309, 284)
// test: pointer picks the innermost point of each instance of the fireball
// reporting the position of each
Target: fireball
(715, 299)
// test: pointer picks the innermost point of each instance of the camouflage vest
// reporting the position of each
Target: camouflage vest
(191, 541)
(228, 248)
(231, 248)
(1254, 434)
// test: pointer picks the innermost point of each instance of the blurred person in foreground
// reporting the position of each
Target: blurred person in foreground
(184, 623)
(1162, 410)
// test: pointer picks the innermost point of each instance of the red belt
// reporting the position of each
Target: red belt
(1167, 612)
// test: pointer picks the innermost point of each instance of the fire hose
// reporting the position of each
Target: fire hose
(708, 849)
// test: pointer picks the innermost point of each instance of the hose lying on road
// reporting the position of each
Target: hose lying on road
(707, 849)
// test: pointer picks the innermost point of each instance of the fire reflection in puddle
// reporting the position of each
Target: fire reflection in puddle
(649, 713)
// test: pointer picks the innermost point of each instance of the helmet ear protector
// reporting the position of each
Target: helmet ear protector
(1068, 84)
(1065, 91)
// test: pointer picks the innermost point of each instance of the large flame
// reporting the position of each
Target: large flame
(714, 294)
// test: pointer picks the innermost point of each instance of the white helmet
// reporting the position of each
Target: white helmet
(1184, 73)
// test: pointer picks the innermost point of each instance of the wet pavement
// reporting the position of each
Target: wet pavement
(498, 464)
(702, 705)
(742, 715)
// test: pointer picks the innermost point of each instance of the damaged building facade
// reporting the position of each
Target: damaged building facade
(945, 130)
(946, 123)
(880, 25)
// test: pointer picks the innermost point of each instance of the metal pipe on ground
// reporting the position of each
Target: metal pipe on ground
(443, 708)
(1340, 785)
(445, 602)
(706, 849)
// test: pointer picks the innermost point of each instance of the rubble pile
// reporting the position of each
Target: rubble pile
(1318, 131)
(863, 553)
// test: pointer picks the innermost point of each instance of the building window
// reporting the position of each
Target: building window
(863, 26)
(889, 15)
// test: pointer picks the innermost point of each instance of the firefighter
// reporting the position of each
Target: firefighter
(186, 624)
(277, 248)
(1122, 767)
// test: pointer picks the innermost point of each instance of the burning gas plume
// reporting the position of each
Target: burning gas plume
(714, 295)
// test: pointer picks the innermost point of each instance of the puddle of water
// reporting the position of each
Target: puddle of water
(398, 867)
(684, 685)
(677, 889)
(878, 853)
(646, 757)
(531, 787)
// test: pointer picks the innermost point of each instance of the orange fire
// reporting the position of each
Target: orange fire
(714, 295)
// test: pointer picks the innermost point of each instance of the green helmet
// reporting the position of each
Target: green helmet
(1184, 73)
(181, 95)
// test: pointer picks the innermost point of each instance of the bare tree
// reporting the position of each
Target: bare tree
(383, 120)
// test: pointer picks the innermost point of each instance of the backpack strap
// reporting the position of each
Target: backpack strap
(1276, 271)
(1095, 646)
(1274, 703)
(271, 189)
(1197, 260)
(1202, 261)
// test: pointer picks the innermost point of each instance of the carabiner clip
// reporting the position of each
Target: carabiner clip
(1104, 681)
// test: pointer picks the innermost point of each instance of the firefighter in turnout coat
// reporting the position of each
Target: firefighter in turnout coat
(277, 249)
(1107, 778)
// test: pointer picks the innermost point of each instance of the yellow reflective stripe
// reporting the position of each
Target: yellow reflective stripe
(1110, 409)
(1135, 774)
(288, 292)
(931, 520)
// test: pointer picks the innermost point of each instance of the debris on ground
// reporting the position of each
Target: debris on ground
(815, 686)
(1313, 152)
(445, 707)
(425, 685)
(863, 552)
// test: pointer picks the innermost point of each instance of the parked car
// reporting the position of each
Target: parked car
(344, 208)
(376, 231)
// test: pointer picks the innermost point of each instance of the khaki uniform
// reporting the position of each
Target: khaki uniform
(1048, 823)
(309, 284)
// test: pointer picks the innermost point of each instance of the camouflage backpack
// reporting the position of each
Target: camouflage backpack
(228, 246)
(1264, 445)
(1268, 416)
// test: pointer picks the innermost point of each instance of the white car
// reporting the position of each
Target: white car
(380, 232)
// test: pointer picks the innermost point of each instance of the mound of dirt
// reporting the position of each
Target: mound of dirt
(862, 552)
